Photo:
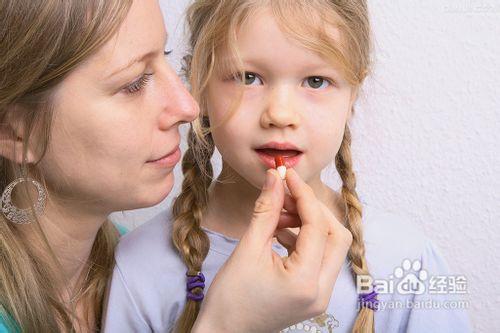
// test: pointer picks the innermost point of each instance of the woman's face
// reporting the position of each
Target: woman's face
(115, 132)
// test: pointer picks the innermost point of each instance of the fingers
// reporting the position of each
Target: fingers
(266, 213)
(288, 220)
(287, 238)
(289, 205)
(321, 236)
(337, 246)
(311, 241)
(289, 217)
(303, 195)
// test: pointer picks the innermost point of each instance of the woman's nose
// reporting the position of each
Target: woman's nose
(178, 105)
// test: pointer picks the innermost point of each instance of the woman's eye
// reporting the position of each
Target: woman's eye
(138, 85)
(316, 82)
(251, 79)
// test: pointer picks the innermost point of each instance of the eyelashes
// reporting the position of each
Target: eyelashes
(248, 78)
(316, 83)
(139, 84)
(311, 82)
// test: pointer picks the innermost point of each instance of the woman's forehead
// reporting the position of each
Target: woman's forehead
(142, 33)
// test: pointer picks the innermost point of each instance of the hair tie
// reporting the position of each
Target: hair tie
(369, 300)
(196, 280)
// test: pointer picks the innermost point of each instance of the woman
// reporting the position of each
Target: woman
(89, 113)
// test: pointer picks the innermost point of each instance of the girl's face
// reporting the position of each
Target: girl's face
(115, 138)
(294, 103)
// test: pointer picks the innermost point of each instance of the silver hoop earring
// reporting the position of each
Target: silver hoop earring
(18, 215)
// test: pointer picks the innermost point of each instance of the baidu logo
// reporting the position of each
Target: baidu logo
(409, 278)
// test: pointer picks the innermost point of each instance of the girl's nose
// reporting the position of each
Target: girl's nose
(280, 110)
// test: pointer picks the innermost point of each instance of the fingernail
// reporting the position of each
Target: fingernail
(270, 179)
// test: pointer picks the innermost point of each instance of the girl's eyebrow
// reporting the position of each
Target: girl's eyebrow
(311, 66)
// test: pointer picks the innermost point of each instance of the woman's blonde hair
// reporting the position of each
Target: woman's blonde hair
(41, 41)
(213, 25)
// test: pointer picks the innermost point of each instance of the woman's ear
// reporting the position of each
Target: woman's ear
(12, 137)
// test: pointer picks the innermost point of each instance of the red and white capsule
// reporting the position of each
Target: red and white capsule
(280, 166)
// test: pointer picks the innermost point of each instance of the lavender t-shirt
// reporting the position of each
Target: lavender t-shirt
(148, 288)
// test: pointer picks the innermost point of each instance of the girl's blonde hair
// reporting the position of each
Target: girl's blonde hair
(41, 41)
(213, 25)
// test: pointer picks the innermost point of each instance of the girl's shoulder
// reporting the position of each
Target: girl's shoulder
(148, 283)
(148, 245)
(387, 228)
(408, 266)
(391, 239)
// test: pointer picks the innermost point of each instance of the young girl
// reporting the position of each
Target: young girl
(276, 78)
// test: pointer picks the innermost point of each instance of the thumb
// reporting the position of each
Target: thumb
(266, 211)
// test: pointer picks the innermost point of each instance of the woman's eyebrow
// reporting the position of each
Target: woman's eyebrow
(133, 61)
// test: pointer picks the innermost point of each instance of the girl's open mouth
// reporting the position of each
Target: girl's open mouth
(290, 156)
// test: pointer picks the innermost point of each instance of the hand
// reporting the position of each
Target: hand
(258, 291)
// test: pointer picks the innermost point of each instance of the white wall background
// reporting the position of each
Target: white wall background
(426, 132)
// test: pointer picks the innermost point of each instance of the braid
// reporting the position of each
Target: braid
(343, 161)
(190, 240)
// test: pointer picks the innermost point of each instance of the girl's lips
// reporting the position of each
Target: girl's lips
(268, 158)
(169, 160)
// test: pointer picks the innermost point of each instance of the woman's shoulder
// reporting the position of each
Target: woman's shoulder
(3, 327)
(7, 324)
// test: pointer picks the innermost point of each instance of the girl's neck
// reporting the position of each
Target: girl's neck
(231, 203)
(232, 200)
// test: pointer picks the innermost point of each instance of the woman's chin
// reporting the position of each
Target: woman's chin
(155, 194)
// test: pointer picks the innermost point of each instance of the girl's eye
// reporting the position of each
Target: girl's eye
(316, 82)
(138, 85)
(251, 79)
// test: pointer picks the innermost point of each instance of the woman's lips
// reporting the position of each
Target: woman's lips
(290, 157)
(169, 160)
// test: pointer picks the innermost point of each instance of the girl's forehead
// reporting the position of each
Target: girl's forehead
(265, 26)
(308, 21)
(265, 39)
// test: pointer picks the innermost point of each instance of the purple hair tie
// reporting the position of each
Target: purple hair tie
(369, 300)
(194, 281)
